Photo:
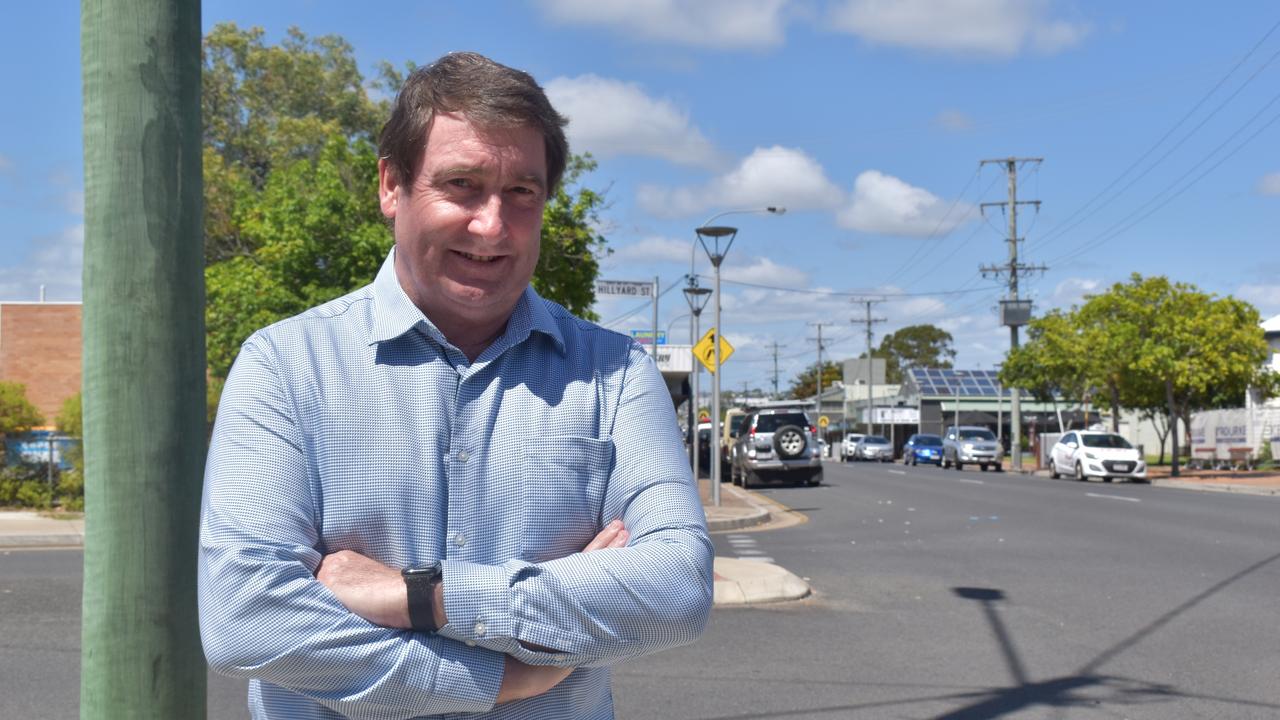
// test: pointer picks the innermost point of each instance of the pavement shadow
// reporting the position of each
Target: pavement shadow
(1087, 687)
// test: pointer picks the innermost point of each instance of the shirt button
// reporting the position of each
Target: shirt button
(471, 643)
(460, 539)
(463, 456)
(480, 629)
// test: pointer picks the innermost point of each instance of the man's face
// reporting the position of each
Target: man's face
(467, 233)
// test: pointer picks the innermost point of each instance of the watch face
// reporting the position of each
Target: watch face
(431, 570)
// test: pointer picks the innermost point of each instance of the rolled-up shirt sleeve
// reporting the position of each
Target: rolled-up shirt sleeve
(264, 615)
(602, 607)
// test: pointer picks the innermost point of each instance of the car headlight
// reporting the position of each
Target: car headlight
(1091, 456)
(751, 453)
(968, 446)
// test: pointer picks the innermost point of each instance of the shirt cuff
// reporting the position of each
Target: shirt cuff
(475, 605)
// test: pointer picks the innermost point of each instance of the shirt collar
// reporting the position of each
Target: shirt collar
(395, 314)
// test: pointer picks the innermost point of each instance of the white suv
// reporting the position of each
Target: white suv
(969, 444)
(776, 443)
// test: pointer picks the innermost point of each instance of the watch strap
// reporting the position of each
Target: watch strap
(421, 585)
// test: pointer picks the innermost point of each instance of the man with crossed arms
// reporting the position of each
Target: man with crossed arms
(441, 493)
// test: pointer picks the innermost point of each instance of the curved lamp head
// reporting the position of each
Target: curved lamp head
(716, 235)
(697, 296)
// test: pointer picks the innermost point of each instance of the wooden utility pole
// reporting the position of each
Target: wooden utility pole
(1013, 311)
(818, 402)
(144, 360)
(871, 375)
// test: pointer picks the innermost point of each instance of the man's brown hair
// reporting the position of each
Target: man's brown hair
(488, 94)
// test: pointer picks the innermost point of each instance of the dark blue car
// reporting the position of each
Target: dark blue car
(921, 448)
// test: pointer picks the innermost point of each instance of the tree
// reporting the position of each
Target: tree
(1052, 363)
(806, 383)
(291, 203)
(70, 420)
(914, 346)
(17, 414)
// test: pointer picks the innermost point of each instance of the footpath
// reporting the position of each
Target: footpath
(737, 581)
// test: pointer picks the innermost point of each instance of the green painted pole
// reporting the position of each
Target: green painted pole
(144, 359)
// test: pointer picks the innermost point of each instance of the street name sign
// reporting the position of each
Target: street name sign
(624, 287)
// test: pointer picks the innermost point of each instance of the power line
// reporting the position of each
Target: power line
(841, 293)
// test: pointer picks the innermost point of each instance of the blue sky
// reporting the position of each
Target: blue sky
(867, 119)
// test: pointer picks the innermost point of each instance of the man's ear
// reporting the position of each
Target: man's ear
(388, 188)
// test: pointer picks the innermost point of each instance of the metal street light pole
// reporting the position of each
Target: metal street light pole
(715, 233)
(697, 297)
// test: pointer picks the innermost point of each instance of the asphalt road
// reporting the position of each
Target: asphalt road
(938, 594)
(945, 594)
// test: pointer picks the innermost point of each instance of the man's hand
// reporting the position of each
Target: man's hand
(520, 681)
(367, 588)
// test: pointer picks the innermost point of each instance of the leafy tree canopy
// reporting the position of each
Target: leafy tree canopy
(805, 384)
(70, 420)
(915, 346)
(290, 173)
(17, 414)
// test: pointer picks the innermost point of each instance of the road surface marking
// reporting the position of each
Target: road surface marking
(1113, 497)
(973, 482)
(898, 472)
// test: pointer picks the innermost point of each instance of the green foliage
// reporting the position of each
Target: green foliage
(291, 189)
(567, 264)
(70, 420)
(17, 414)
(25, 485)
(914, 346)
(806, 383)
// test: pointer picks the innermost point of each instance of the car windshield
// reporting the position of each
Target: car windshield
(875, 440)
(770, 423)
(1105, 441)
(927, 440)
(977, 435)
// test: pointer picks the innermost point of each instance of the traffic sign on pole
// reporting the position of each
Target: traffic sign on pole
(705, 350)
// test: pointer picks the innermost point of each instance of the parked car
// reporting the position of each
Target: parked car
(873, 447)
(776, 444)
(847, 447)
(1086, 453)
(728, 434)
(922, 448)
(704, 448)
(968, 444)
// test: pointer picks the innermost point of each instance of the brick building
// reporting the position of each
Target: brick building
(40, 348)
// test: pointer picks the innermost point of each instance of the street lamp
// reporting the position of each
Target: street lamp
(697, 297)
(716, 235)
(774, 209)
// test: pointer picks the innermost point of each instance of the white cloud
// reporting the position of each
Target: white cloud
(764, 271)
(611, 117)
(953, 120)
(1265, 297)
(721, 24)
(55, 261)
(653, 249)
(768, 177)
(1072, 291)
(1269, 184)
(885, 205)
(1000, 28)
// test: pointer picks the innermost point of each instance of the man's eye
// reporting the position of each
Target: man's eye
(460, 182)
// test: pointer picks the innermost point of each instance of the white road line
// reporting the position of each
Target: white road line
(750, 552)
(898, 472)
(971, 482)
(1114, 497)
(758, 559)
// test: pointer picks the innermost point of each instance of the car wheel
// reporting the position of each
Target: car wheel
(959, 465)
(983, 466)
(1080, 473)
(1053, 469)
(789, 441)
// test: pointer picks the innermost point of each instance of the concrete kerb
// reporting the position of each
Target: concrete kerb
(742, 511)
(752, 582)
(1193, 485)
(25, 529)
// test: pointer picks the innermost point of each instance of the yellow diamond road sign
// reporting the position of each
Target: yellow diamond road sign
(705, 351)
(824, 421)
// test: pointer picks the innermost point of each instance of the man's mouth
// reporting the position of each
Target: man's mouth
(478, 258)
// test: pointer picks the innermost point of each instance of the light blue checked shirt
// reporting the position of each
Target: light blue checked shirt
(357, 426)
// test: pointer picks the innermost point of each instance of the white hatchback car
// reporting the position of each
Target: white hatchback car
(1086, 453)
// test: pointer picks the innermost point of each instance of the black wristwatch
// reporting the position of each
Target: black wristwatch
(421, 583)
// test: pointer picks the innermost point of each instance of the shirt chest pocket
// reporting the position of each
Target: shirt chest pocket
(562, 494)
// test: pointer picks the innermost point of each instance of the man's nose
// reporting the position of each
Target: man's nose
(487, 220)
